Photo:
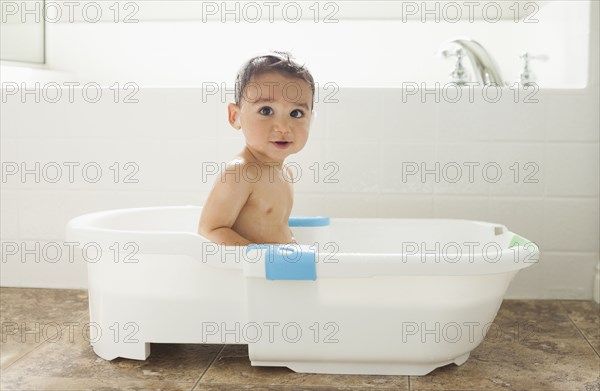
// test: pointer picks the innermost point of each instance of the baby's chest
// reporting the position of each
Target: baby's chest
(272, 198)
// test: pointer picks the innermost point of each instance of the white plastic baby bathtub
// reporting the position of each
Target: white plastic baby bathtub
(358, 296)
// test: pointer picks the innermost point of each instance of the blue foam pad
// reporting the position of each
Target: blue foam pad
(308, 221)
(289, 261)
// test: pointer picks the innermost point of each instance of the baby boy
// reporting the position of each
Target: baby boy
(251, 200)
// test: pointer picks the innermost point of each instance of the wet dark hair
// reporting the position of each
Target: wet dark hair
(274, 61)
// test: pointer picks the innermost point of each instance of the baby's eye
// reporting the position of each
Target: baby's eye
(263, 108)
(299, 111)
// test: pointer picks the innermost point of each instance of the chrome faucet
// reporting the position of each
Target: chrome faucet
(484, 66)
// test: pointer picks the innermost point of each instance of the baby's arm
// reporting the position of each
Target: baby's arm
(291, 179)
(223, 206)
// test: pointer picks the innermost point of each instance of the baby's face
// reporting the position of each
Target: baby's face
(275, 115)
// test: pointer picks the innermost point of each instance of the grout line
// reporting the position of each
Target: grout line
(27, 353)
(500, 196)
(36, 347)
(208, 366)
(296, 386)
(578, 329)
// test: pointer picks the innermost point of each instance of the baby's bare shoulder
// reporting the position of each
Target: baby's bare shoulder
(238, 171)
(290, 175)
(236, 164)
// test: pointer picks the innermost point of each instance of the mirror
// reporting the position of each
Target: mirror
(22, 31)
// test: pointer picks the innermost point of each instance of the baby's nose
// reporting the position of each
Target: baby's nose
(282, 127)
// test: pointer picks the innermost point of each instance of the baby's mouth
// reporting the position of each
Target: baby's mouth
(281, 144)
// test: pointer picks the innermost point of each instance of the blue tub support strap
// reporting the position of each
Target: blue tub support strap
(308, 221)
(289, 261)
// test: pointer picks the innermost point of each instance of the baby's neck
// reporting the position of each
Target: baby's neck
(253, 156)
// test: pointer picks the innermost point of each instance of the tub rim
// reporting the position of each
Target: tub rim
(81, 229)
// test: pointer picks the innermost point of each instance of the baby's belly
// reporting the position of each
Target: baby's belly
(264, 233)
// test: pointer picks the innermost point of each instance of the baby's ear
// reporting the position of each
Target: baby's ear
(233, 115)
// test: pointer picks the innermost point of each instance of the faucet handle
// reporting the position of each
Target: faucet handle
(459, 74)
(526, 56)
(527, 77)
(459, 53)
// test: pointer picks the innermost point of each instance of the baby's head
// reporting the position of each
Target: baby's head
(273, 62)
(274, 98)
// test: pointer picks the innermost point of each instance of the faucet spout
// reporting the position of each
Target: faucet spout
(485, 68)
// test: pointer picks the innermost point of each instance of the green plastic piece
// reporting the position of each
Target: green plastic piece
(518, 241)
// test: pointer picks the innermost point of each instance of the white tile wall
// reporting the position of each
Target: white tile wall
(567, 275)
(170, 133)
(572, 169)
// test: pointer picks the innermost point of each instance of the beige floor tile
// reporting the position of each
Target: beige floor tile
(237, 370)
(71, 362)
(234, 350)
(31, 316)
(241, 351)
(586, 316)
(95, 384)
(532, 346)
(42, 305)
(228, 387)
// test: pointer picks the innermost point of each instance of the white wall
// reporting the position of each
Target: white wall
(371, 53)
(170, 133)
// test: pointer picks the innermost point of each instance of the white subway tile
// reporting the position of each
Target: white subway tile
(309, 205)
(352, 205)
(404, 168)
(515, 169)
(83, 202)
(111, 164)
(412, 120)
(523, 216)
(229, 147)
(44, 264)
(109, 117)
(9, 207)
(520, 116)
(45, 164)
(567, 275)
(318, 126)
(223, 128)
(42, 215)
(11, 166)
(527, 284)
(466, 121)
(460, 169)
(187, 113)
(573, 117)
(311, 171)
(356, 166)
(571, 169)
(24, 117)
(356, 116)
(177, 165)
(571, 224)
(464, 207)
(169, 112)
(405, 206)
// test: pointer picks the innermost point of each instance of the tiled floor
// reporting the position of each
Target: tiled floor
(549, 345)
